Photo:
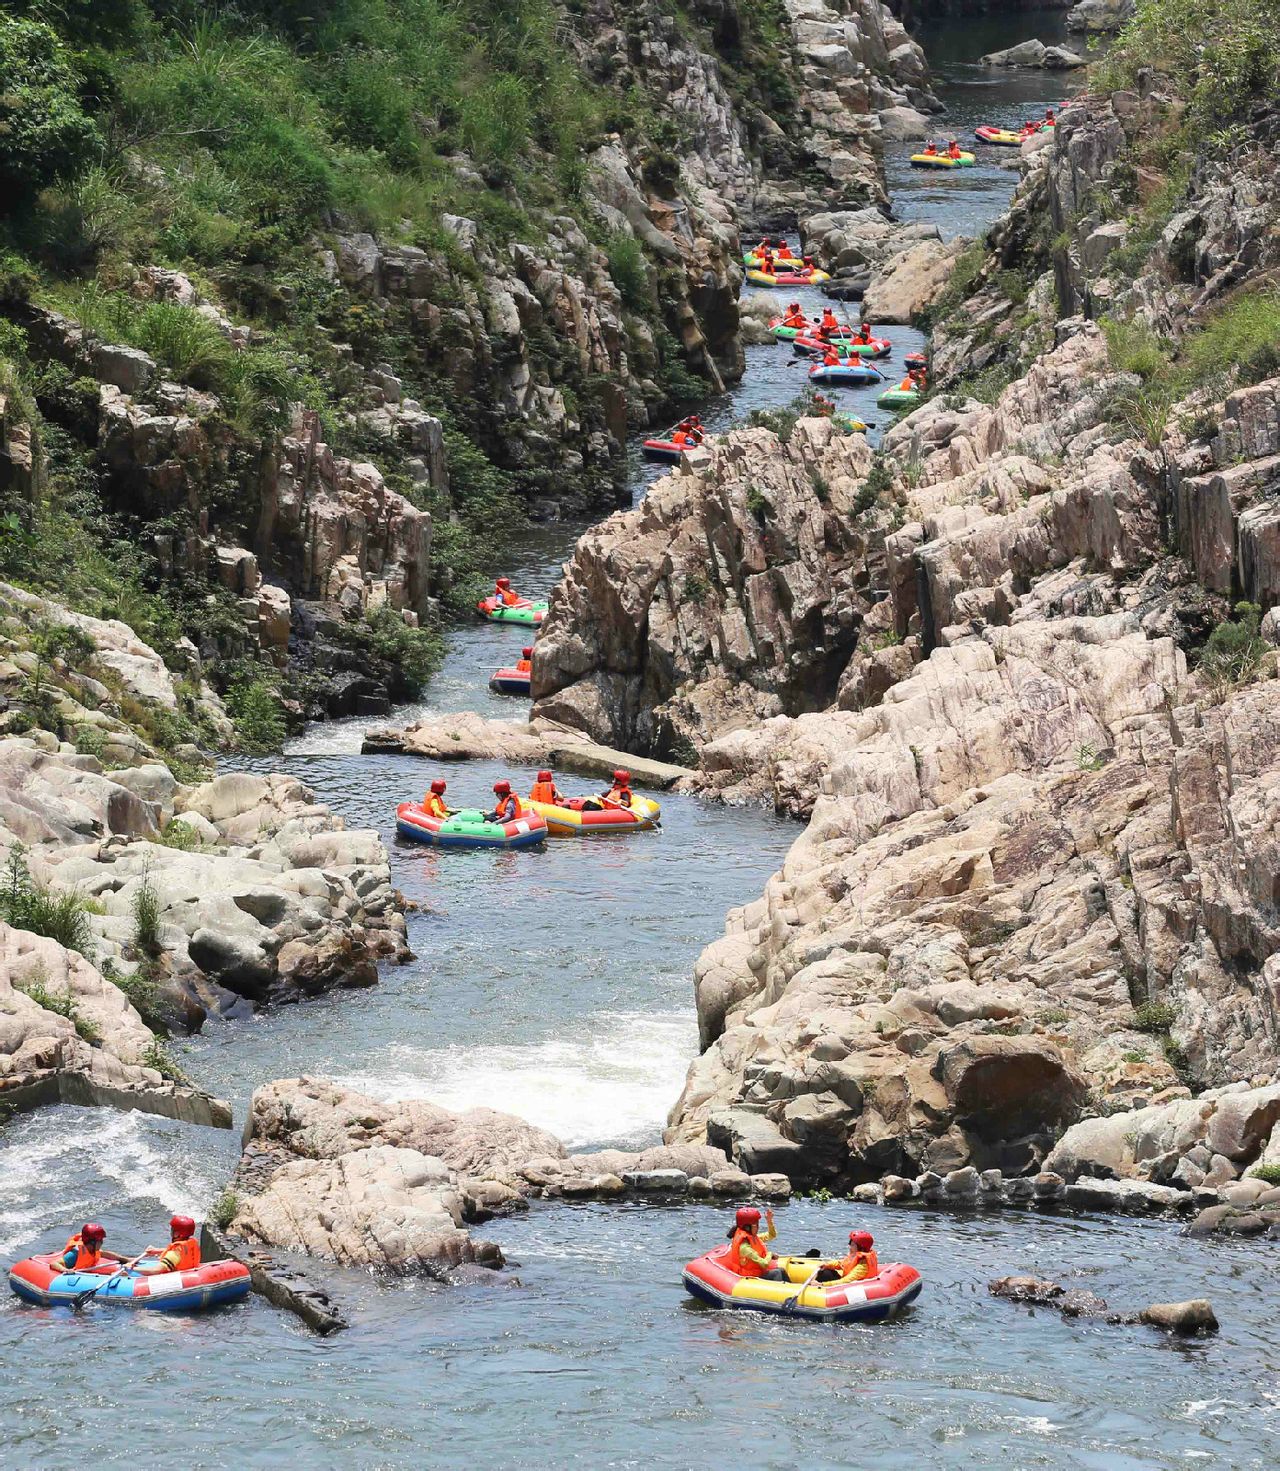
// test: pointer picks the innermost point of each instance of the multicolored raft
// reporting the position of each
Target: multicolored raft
(871, 1300)
(469, 828)
(44, 1280)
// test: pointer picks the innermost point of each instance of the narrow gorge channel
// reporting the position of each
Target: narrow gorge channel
(555, 985)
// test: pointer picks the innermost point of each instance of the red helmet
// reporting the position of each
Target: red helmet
(504, 582)
(502, 788)
(747, 1218)
(545, 776)
(861, 1240)
(182, 1227)
(527, 653)
(438, 786)
(91, 1231)
(623, 778)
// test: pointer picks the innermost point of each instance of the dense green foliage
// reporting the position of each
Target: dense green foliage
(1221, 54)
(45, 133)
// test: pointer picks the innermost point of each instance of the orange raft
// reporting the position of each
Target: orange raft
(710, 1279)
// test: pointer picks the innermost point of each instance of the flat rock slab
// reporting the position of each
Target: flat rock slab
(470, 737)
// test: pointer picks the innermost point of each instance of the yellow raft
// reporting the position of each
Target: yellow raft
(575, 818)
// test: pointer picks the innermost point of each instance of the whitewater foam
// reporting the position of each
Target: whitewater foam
(609, 1084)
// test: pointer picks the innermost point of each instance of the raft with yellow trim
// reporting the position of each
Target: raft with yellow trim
(710, 1279)
(580, 816)
(1000, 137)
(942, 161)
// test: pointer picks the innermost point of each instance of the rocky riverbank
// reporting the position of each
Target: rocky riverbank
(397, 1186)
(989, 665)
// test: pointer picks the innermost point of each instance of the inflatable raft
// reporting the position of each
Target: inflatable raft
(941, 161)
(876, 347)
(510, 682)
(852, 375)
(1000, 137)
(916, 360)
(663, 449)
(574, 818)
(790, 334)
(850, 423)
(524, 612)
(898, 398)
(44, 1281)
(710, 1279)
(468, 829)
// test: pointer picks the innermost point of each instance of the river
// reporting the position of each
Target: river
(556, 985)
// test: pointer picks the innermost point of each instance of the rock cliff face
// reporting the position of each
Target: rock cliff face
(732, 593)
(1039, 871)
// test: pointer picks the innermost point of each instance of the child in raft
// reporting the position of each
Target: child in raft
(503, 591)
(433, 802)
(859, 1264)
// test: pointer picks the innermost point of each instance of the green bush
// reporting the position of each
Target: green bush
(253, 703)
(1241, 341)
(629, 271)
(146, 917)
(62, 1005)
(1234, 650)
(1134, 348)
(156, 1055)
(1269, 1173)
(415, 652)
(1154, 1017)
(143, 994)
(29, 906)
(45, 133)
(224, 1209)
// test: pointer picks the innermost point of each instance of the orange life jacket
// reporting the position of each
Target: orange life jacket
(829, 323)
(181, 1256)
(680, 438)
(953, 151)
(620, 795)
(524, 666)
(544, 791)
(784, 252)
(433, 805)
(740, 1264)
(931, 151)
(855, 1259)
(908, 385)
(830, 359)
(509, 808)
(87, 1257)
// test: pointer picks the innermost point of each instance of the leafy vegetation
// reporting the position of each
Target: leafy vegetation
(1269, 1173)
(253, 702)
(1220, 54)
(61, 1004)
(1154, 1017)
(29, 906)
(156, 1055)
(224, 1209)
(146, 917)
(1234, 651)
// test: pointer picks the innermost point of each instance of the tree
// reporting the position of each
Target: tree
(45, 134)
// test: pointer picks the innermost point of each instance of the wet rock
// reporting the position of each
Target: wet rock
(1034, 54)
(963, 1183)
(1194, 1316)
(1026, 1289)
(771, 1186)
(1048, 1186)
(667, 1182)
(896, 1187)
(868, 1193)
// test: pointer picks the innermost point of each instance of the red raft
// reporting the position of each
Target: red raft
(871, 1300)
(43, 1280)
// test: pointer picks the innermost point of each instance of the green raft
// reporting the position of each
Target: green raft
(526, 613)
(898, 398)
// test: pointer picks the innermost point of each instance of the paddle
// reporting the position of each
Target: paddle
(81, 1298)
(792, 1301)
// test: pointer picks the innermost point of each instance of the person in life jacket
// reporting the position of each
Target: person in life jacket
(524, 664)
(433, 803)
(931, 149)
(748, 1254)
(502, 590)
(919, 379)
(784, 252)
(680, 438)
(507, 808)
(863, 334)
(831, 358)
(183, 1250)
(545, 790)
(794, 317)
(1049, 119)
(859, 1264)
(829, 322)
(619, 794)
(84, 1251)
(953, 149)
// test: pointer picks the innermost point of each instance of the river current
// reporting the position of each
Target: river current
(557, 985)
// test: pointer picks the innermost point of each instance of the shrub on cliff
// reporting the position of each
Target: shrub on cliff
(45, 133)
(1220, 54)
(29, 906)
